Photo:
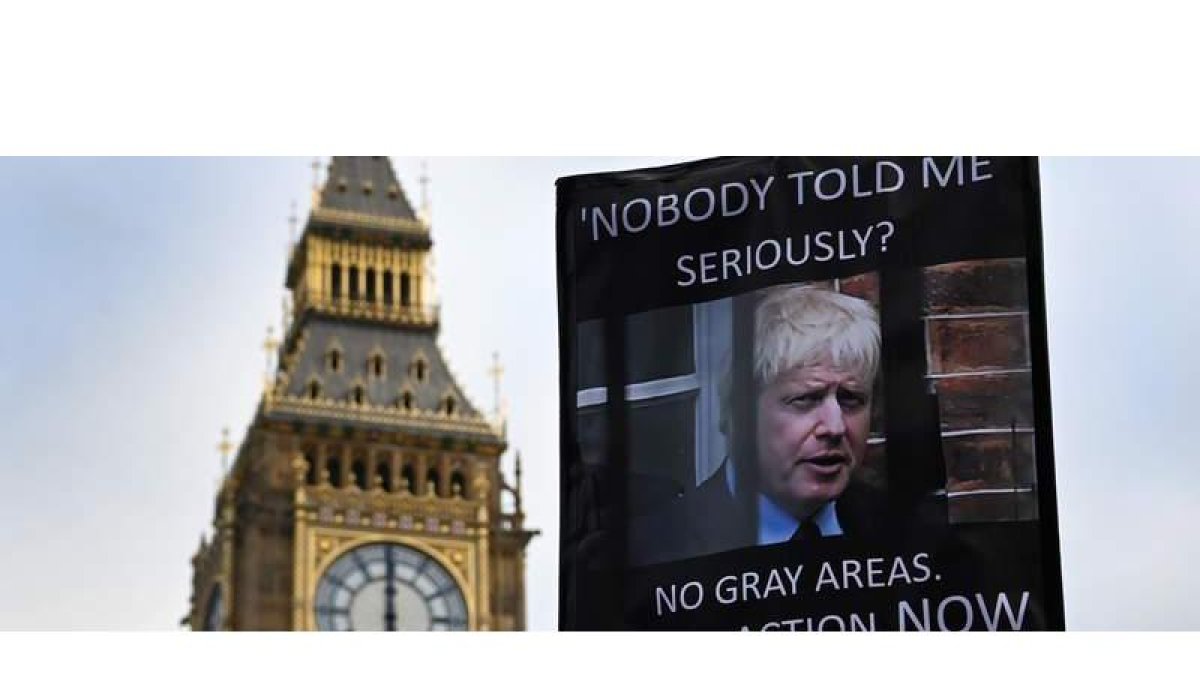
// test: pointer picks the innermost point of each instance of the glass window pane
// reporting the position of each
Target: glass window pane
(341, 598)
(662, 450)
(591, 354)
(438, 607)
(405, 572)
(593, 434)
(439, 576)
(368, 554)
(355, 579)
(377, 569)
(406, 556)
(659, 344)
(662, 447)
(425, 585)
(325, 594)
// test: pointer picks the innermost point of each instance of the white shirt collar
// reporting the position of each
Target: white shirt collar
(776, 525)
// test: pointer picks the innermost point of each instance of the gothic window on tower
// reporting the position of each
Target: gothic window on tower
(432, 480)
(674, 359)
(358, 394)
(376, 365)
(353, 283)
(335, 281)
(419, 369)
(360, 474)
(408, 479)
(458, 484)
(383, 477)
(310, 468)
(448, 405)
(314, 389)
(333, 472)
(387, 288)
(405, 289)
(406, 400)
(333, 358)
(371, 284)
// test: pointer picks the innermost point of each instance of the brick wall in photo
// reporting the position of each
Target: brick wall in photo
(977, 362)
(977, 341)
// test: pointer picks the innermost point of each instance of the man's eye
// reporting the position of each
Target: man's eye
(808, 400)
(851, 399)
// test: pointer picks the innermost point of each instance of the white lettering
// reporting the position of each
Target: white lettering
(687, 204)
(758, 254)
(826, 577)
(645, 220)
(906, 615)
(668, 203)
(598, 219)
(897, 172)
(976, 165)
(841, 184)
(930, 166)
(708, 264)
(800, 185)
(968, 615)
(761, 191)
(992, 620)
(822, 241)
(725, 209)
(682, 263)
(862, 240)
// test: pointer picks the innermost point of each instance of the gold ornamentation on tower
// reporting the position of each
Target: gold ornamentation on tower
(366, 493)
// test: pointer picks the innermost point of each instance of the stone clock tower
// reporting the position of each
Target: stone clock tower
(367, 492)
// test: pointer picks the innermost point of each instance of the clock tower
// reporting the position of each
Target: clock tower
(366, 493)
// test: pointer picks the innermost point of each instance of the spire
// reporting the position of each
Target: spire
(270, 345)
(496, 371)
(426, 213)
(367, 186)
(224, 447)
(316, 184)
(517, 492)
(499, 409)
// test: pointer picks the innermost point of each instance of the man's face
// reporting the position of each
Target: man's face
(813, 423)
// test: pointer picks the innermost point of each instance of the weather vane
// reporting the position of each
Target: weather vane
(424, 181)
(225, 447)
(269, 346)
(316, 185)
(496, 371)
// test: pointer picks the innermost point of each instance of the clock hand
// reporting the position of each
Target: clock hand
(389, 591)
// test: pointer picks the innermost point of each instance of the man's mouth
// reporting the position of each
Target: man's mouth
(825, 464)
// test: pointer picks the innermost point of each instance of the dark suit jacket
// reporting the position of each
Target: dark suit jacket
(711, 520)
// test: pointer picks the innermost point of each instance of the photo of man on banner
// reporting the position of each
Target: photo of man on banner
(816, 355)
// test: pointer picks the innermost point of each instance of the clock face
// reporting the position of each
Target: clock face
(389, 587)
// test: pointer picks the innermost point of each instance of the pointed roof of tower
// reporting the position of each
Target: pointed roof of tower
(361, 200)
(367, 186)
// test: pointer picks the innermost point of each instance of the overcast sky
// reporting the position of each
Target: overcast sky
(137, 294)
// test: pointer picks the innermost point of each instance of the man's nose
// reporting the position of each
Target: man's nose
(831, 425)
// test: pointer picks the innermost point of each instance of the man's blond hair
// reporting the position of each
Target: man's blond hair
(799, 326)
